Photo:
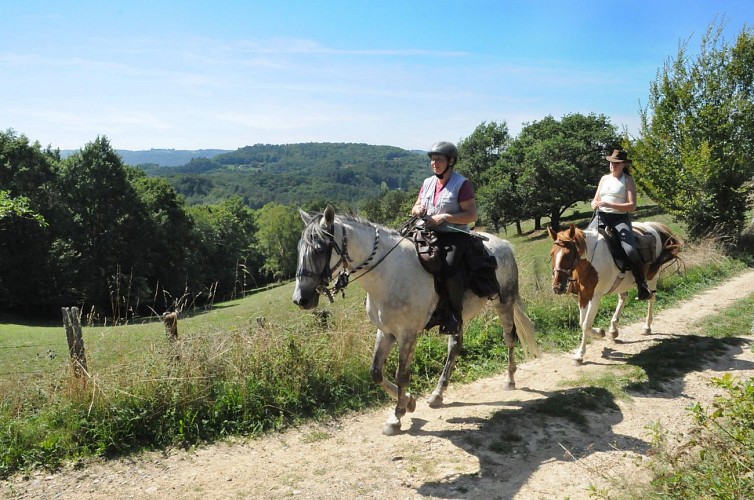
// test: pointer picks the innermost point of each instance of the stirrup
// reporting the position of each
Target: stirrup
(450, 325)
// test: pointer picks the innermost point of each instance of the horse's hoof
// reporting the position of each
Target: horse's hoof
(647, 331)
(435, 400)
(510, 386)
(597, 333)
(391, 429)
(613, 334)
(578, 361)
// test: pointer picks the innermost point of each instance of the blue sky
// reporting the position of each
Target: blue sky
(226, 74)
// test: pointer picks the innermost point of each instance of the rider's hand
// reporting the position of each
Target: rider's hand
(436, 220)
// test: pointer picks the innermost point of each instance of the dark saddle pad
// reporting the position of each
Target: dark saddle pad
(645, 246)
(477, 265)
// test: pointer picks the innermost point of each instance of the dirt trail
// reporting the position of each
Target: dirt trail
(484, 443)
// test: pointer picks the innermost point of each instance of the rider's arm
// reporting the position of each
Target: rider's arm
(597, 198)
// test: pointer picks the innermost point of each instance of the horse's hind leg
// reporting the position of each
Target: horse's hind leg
(622, 297)
(505, 314)
(454, 347)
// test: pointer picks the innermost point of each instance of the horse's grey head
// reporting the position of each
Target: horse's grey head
(315, 249)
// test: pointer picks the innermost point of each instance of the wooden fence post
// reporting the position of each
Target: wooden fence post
(75, 340)
(170, 320)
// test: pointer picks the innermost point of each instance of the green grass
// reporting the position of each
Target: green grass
(259, 364)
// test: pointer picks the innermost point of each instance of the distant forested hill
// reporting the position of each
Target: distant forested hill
(160, 157)
(294, 174)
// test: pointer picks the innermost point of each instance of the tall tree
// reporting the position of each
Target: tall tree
(166, 239)
(561, 162)
(99, 234)
(27, 177)
(224, 237)
(479, 152)
(697, 133)
(277, 239)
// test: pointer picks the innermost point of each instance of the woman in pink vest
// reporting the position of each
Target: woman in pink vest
(446, 201)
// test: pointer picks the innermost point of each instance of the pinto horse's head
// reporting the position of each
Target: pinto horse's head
(565, 253)
(315, 250)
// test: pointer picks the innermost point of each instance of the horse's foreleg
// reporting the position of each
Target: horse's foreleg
(587, 315)
(406, 402)
(650, 310)
(454, 347)
(622, 297)
(382, 347)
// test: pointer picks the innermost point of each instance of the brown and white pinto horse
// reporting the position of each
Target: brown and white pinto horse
(582, 263)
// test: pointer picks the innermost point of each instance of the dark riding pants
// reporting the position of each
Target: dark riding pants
(452, 276)
(621, 224)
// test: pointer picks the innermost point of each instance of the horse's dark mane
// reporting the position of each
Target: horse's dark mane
(314, 229)
(361, 220)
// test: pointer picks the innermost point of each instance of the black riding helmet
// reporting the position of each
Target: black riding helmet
(445, 148)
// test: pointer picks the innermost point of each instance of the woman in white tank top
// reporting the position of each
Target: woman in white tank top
(614, 200)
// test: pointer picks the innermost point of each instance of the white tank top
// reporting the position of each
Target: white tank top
(613, 191)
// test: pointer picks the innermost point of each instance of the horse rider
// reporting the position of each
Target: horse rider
(447, 203)
(613, 202)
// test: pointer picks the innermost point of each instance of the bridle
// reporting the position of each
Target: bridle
(569, 245)
(325, 277)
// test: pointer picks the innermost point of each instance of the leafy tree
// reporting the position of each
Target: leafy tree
(697, 133)
(479, 152)
(277, 239)
(167, 244)
(391, 208)
(99, 232)
(499, 198)
(17, 207)
(27, 178)
(560, 162)
(224, 236)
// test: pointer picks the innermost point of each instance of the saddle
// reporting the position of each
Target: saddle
(645, 246)
(478, 266)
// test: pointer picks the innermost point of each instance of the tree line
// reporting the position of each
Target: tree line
(89, 230)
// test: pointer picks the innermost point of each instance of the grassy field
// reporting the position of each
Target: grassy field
(258, 363)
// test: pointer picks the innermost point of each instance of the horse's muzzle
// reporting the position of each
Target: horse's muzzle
(310, 301)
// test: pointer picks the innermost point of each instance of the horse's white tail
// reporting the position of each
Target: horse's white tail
(525, 330)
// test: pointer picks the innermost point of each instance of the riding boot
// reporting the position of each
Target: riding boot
(641, 282)
(452, 323)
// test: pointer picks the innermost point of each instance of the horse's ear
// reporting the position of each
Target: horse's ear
(572, 230)
(329, 215)
(552, 232)
(305, 217)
